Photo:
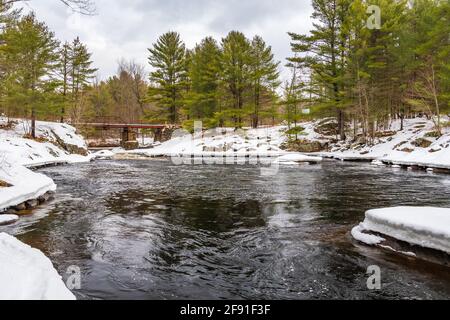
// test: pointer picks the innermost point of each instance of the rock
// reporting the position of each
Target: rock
(434, 150)
(408, 150)
(400, 144)
(432, 134)
(385, 134)
(327, 127)
(422, 143)
(73, 149)
(20, 207)
(4, 184)
(6, 219)
(10, 211)
(304, 146)
(130, 145)
(30, 204)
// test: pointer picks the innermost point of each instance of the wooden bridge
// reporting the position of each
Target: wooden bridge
(129, 131)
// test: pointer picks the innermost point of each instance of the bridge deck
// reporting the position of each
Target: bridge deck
(124, 125)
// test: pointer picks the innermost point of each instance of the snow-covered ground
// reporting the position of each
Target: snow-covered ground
(426, 227)
(56, 143)
(262, 143)
(415, 145)
(27, 274)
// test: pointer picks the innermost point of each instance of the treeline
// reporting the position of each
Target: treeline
(39, 76)
(348, 67)
(231, 83)
(368, 74)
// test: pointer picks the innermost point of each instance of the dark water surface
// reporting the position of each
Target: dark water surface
(153, 230)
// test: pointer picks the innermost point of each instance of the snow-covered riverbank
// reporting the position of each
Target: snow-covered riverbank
(220, 144)
(56, 144)
(416, 145)
(27, 274)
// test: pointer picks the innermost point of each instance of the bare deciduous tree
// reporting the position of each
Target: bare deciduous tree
(82, 6)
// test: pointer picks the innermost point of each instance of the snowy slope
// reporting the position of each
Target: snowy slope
(46, 150)
(401, 148)
(17, 152)
(26, 274)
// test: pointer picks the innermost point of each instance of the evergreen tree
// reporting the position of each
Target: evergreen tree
(264, 75)
(31, 52)
(322, 52)
(168, 58)
(204, 73)
(236, 74)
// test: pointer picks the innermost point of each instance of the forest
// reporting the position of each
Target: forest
(346, 67)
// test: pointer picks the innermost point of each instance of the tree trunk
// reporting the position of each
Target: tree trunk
(341, 125)
(33, 123)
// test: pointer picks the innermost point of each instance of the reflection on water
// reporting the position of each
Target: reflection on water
(152, 230)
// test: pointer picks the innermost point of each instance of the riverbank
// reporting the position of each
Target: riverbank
(21, 189)
(27, 274)
(416, 145)
(55, 144)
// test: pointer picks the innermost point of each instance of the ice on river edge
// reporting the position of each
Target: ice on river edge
(27, 274)
(426, 227)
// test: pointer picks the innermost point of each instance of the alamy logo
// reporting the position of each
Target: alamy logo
(221, 155)
(374, 21)
(374, 280)
(74, 280)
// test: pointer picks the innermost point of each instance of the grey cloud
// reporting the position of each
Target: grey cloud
(127, 28)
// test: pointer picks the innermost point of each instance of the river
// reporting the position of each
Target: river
(154, 230)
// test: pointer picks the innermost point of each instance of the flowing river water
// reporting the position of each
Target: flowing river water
(154, 230)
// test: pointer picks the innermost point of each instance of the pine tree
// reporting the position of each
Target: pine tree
(168, 58)
(236, 75)
(31, 48)
(264, 75)
(322, 52)
(204, 73)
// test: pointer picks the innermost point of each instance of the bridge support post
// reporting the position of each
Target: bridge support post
(129, 140)
(158, 135)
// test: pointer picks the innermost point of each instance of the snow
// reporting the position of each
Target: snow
(297, 157)
(17, 154)
(103, 154)
(226, 143)
(27, 274)
(399, 149)
(8, 219)
(427, 227)
(26, 184)
(31, 153)
(358, 234)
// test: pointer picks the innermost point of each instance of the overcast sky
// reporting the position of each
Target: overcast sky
(126, 28)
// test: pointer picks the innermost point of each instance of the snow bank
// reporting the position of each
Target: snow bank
(402, 147)
(17, 152)
(297, 157)
(423, 226)
(26, 185)
(27, 274)
(8, 219)
(223, 142)
(47, 150)
(369, 239)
